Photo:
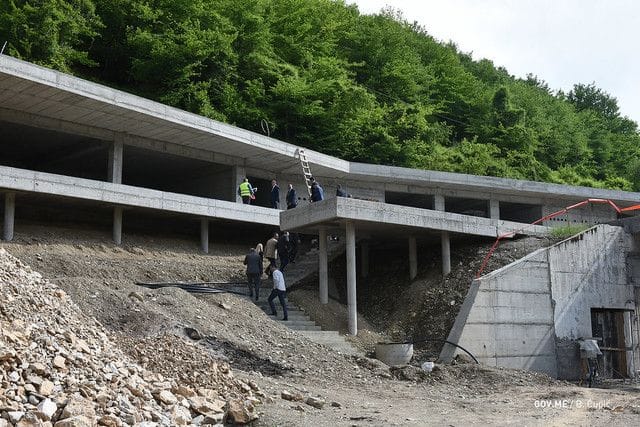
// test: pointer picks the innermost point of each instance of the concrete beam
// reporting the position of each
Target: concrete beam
(204, 235)
(323, 270)
(413, 258)
(494, 209)
(115, 161)
(9, 216)
(351, 278)
(446, 253)
(117, 225)
(125, 195)
(387, 217)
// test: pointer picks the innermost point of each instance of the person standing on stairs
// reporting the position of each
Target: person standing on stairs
(271, 250)
(283, 250)
(279, 290)
(253, 261)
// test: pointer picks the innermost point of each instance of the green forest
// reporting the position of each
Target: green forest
(368, 88)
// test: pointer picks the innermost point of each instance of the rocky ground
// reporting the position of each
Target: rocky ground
(125, 355)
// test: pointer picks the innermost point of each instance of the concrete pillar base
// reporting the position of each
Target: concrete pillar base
(446, 253)
(204, 235)
(323, 267)
(9, 216)
(117, 225)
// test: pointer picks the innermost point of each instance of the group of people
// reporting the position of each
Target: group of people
(282, 247)
(248, 192)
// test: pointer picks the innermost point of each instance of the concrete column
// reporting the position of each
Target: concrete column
(323, 266)
(438, 202)
(364, 258)
(238, 173)
(494, 209)
(117, 225)
(413, 258)
(204, 235)
(351, 279)
(9, 216)
(446, 253)
(114, 166)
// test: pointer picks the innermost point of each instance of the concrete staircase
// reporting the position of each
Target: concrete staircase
(298, 321)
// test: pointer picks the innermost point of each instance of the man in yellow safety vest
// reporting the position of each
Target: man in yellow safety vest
(246, 191)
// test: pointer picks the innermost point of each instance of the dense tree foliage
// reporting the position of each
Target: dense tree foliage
(375, 89)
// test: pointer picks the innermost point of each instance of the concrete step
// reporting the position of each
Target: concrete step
(332, 340)
(305, 328)
(294, 317)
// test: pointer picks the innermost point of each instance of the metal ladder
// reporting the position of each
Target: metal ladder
(306, 171)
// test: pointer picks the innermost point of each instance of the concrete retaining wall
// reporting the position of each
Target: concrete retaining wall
(528, 314)
(507, 318)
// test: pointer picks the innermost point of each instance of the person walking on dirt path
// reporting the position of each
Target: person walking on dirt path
(254, 271)
(279, 290)
(246, 191)
(275, 194)
(260, 252)
(271, 250)
(283, 250)
(292, 197)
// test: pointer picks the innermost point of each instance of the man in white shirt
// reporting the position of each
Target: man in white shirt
(279, 290)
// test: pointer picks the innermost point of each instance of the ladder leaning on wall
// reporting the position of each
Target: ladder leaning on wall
(306, 171)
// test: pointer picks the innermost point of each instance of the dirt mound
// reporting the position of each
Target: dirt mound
(58, 364)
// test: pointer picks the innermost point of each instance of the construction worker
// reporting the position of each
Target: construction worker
(246, 191)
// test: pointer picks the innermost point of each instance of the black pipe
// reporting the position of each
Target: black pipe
(193, 287)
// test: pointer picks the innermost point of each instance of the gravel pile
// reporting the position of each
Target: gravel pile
(59, 368)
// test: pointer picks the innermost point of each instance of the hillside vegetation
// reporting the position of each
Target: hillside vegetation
(317, 73)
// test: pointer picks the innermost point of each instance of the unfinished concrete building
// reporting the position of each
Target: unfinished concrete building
(72, 147)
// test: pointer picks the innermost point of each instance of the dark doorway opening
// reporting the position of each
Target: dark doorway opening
(263, 194)
(608, 327)
(422, 201)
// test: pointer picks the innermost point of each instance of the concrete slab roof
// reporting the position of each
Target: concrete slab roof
(378, 217)
(42, 97)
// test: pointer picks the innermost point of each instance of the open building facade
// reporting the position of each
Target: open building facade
(72, 147)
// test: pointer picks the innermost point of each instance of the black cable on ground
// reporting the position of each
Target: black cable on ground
(195, 288)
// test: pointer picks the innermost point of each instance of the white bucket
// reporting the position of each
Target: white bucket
(394, 354)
